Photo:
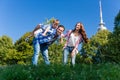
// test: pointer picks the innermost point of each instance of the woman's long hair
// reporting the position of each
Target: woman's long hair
(82, 32)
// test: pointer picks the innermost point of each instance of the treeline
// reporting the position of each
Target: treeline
(102, 47)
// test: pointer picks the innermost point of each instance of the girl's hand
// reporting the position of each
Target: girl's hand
(72, 54)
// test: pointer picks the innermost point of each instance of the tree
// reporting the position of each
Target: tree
(114, 47)
(24, 50)
(95, 49)
(6, 46)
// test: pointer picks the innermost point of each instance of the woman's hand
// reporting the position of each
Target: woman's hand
(72, 54)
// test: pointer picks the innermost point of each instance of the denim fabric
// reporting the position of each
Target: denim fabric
(66, 52)
(44, 51)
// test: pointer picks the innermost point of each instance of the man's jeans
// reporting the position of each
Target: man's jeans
(44, 51)
(66, 52)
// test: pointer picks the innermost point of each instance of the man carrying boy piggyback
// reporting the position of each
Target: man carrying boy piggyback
(45, 35)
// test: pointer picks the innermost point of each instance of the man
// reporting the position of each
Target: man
(44, 46)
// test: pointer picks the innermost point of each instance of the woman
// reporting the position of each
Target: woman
(74, 38)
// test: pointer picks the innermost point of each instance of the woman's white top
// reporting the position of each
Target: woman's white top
(72, 40)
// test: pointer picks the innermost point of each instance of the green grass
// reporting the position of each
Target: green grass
(105, 71)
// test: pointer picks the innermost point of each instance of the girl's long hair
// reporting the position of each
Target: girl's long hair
(82, 32)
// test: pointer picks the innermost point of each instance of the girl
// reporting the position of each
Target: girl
(74, 38)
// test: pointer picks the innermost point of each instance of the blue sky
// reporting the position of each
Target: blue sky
(20, 16)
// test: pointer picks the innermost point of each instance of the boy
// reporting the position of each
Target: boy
(41, 31)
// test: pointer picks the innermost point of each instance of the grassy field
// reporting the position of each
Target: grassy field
(106, 71)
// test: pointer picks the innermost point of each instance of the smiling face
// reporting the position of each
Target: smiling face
(78, 26)
(60, 29)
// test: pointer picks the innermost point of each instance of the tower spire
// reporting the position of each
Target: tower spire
(101, 24)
